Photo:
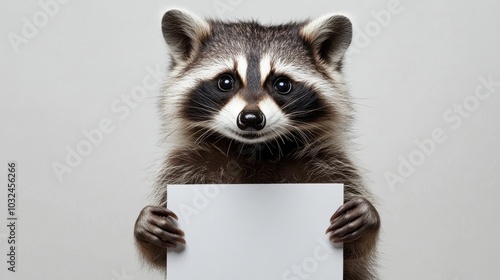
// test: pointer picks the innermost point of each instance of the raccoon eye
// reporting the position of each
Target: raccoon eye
(226, 82)
(283, 85)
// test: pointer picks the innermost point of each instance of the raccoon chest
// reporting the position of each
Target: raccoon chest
(240, 171)
(215, 167)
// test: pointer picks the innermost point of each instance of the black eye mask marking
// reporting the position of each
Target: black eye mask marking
(301, 103)
(209, 97)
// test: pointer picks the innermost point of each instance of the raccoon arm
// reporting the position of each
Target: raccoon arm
(365, 245)
(155, 231)
(152, 254)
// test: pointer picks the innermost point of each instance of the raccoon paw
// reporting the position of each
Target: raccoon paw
(353, 220)
(156, 225)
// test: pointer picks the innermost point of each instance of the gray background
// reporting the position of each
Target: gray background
(440, 223)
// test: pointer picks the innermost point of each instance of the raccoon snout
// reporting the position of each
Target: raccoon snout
(249, 120)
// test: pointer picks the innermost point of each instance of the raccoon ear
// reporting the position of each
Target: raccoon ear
(330, 36)
(183, 33)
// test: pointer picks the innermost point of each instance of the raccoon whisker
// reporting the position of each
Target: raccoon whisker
(202, 137)
(177, 129)
(208, 100)
(221, 103)
(204, 106)
(190, 127)
(301, 127)
(280, 151)
(316, 109)
(294, 132)
(217, 139)
(280, 137)
(288, 104)
(154, 96)
(216, 128)
(324, 131)
(239, 151)
(306, 112)
(209, 132)
(316, 129)
(269, 148)
(363, 98)
(304, 137)
(281, 134)
(363, 105)
(288, 134)
(229, 147)
(205, 110)
(295, 139)
(294, 101)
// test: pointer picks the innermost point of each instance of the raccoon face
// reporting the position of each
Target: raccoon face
(254, 83)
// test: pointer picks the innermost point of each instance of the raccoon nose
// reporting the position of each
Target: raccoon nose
(251, 120)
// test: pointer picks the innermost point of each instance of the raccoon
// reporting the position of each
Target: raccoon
(252, 103)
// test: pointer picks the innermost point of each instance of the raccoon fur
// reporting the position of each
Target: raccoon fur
(252, 103)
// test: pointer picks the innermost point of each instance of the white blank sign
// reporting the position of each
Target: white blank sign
(255, 232)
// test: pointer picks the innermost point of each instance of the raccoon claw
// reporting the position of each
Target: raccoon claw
(353, 220)
(156, 225)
